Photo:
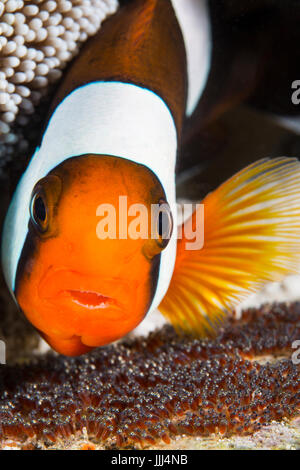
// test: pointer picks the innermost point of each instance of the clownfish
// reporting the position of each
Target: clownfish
(113, 131)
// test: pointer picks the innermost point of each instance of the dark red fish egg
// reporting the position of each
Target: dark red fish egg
(146, 391)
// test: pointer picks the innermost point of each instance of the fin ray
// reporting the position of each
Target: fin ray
(251, 236)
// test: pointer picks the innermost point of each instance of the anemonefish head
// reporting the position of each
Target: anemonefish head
(78, 289)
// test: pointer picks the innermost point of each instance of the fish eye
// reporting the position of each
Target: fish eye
(44, 200)
(161, 230)
(38, 211)
(164, 224)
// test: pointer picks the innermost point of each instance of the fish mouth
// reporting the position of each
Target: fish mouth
(91, 299)
(67, 288)
(79, 311)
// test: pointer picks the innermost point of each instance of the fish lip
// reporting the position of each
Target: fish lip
(104, 301)
(71, 280)
(92, 326)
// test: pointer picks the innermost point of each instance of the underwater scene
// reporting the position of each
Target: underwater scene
(150, 227)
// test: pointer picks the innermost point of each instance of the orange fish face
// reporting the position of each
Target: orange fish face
(79, 288)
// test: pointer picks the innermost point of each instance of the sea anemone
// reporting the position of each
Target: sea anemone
(37, 40)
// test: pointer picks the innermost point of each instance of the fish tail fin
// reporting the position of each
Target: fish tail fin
(251, 235)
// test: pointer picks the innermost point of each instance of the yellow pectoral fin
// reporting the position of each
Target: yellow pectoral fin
(251, 235)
